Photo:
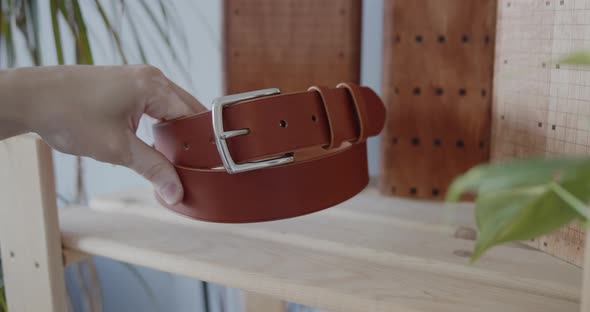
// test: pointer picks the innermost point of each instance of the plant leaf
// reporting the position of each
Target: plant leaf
(499, 176)
(518, 215)
(138, 43)
(571, 200)
(527, 212)
(56, 31)
(111, 30)
(84, 51)
(3, 306)
(578, 58)
(6, 33)
(161, 31)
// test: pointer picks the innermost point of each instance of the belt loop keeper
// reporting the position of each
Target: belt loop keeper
(334, 123)
(360, 106)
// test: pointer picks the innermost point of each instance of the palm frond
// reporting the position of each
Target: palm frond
(84, 53)
(161, 29)
(54, 12)
(136, 36)
(111, 31)
(6, 33)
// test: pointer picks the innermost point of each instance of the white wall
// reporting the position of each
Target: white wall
(202, 22)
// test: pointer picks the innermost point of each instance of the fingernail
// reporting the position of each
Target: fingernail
(170, 193)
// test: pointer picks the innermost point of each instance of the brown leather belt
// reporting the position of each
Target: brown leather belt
(272, 156)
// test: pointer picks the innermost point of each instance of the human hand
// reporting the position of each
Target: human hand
(94, 111)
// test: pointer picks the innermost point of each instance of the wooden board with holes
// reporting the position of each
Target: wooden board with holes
(438, 66)
(541, 107)
(290, 44)
(370, 253)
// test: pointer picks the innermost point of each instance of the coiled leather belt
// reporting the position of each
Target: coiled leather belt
(261, 155)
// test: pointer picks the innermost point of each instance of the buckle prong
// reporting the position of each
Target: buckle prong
(221, 135)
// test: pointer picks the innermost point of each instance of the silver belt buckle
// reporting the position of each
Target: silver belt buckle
(221, 135)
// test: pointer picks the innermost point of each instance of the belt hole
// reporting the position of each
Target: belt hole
(413, 191)
(283, 124)
(439, 91)
(441, 39)
(437, 142)
(482, 144)
(417, 91)
(397, 38)
(186, 146)
(393, 189)
(487, 39)
(483, 92)
(460, 143)
(462, 92)
(435, 192)
(415, 141)
(465, 38)
(418, 38)
(314, 118)
(394, 140)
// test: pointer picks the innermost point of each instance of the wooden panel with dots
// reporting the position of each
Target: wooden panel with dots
(541, 107)
(291, 44)
(438, 67)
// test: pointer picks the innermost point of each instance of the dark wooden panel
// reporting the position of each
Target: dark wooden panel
(437, 80)
(290, 44)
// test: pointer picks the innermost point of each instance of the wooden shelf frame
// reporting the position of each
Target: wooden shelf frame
(369, 254)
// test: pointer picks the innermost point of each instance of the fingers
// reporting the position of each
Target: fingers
(153, 166)
(167, 100)
(188, 99)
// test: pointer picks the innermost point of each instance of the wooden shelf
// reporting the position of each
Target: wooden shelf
(369, 254)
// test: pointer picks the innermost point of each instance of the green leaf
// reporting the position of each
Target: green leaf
(6, 33)
(53, 6)
(501, 176)
(510, 214)
(83, 45)
(578, 58)
(3, 307)
(519, 214)
(571, 200)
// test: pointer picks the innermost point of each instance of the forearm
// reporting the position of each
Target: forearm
(15, 102)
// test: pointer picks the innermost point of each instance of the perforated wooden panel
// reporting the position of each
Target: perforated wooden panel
(291, 44)
(542, 107)
(437, 81)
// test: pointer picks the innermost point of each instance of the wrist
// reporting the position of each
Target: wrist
(16, 92)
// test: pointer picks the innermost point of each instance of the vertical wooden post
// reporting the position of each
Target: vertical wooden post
(29, 231)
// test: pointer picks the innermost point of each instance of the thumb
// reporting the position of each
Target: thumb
(153, 166)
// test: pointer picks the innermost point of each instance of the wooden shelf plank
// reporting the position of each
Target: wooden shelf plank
(370, 253)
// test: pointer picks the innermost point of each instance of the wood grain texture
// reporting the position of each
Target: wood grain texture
(437, 81)
(290, 44)
(368, 254)
(541, 107)
(29, 230)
